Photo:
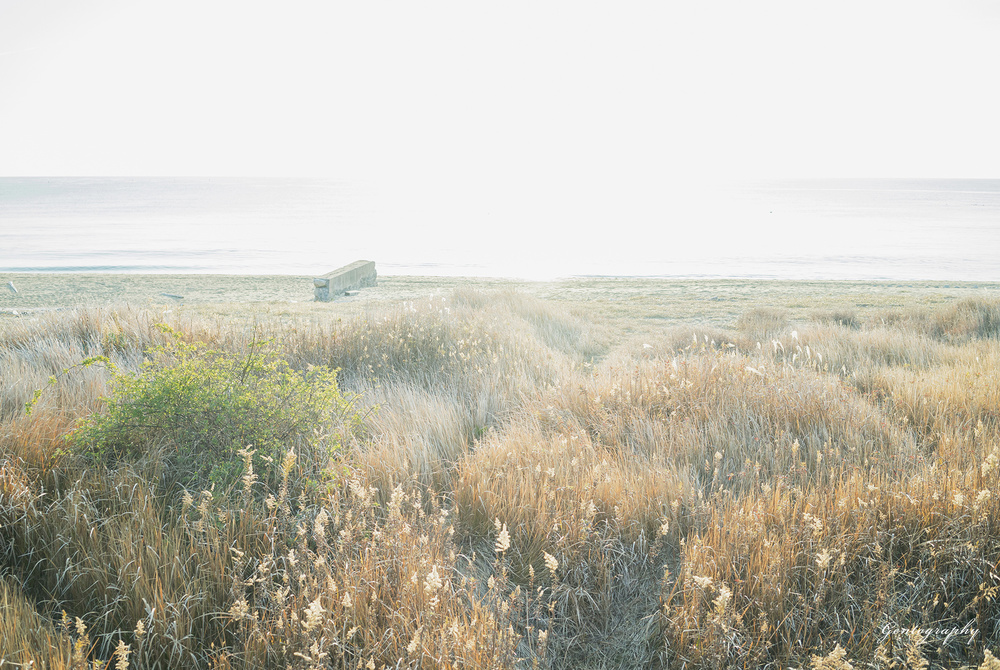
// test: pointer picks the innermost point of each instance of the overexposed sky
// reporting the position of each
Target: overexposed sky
(501, 97)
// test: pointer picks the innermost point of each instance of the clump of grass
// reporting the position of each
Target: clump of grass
(363, 584)
(763, 323)
(30, 639)
(959, 321)
(847, 318)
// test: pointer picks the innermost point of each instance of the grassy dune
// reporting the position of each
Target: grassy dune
(587, 474)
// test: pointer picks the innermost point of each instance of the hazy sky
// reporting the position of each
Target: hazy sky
(517, 95)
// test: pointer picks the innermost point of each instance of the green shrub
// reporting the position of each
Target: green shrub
(199, 406)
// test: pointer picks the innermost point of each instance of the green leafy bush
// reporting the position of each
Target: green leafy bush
(199, 406)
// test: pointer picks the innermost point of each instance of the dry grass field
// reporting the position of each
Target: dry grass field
(592, 473)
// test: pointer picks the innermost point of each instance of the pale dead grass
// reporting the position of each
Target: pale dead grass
(527, 487)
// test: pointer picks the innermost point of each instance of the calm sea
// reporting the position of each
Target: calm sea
(830, 229)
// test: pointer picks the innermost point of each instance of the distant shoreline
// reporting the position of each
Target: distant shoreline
(121, 272)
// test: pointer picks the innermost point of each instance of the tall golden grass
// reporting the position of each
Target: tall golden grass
(528, 488)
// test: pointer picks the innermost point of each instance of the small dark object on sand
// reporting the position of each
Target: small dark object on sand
(171, 295)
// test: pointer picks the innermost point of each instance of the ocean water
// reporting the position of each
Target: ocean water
(820, 229)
